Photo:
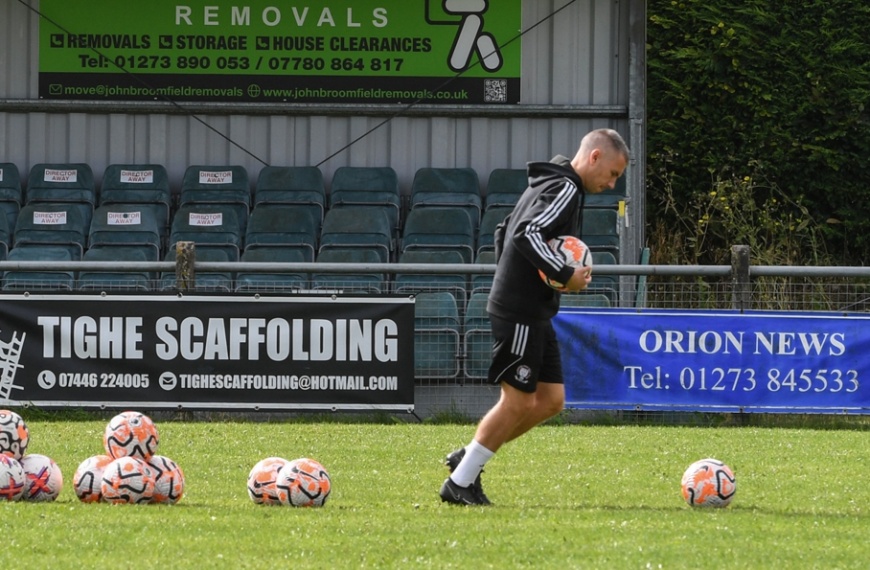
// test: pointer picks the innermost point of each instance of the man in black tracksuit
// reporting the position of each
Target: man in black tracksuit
(526, 359)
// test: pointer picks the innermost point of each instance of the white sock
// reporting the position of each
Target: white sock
(472, 464)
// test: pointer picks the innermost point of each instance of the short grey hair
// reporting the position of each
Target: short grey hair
(600, 138)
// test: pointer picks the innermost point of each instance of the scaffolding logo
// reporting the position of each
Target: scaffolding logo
(10, 353)
(470, 37)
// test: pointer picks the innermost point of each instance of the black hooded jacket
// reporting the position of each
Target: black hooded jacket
(548, 208)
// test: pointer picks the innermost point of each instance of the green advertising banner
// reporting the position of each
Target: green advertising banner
(328, 51)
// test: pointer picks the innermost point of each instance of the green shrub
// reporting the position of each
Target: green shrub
(769, 91)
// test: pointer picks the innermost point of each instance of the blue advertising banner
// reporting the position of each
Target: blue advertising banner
(715, 360)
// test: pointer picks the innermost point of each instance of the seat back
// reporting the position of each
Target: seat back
(439, 228)
(282, 225)
(212, 226)
(477, 336)
(358, 227)
(5, 237)
(61, 182)
(296, 185)
(117, 280)
(601, 230)
(492, 217)
(146, 184)
(415, 283)
(63, 224)
(361, 282)
(39, 280)
(608, 198)
(504, 187)
(11, 196)
(367, 186)
(126, 224)
(250, 282)
(482, 282)
(226, 184)
(436, 335)
(456, 187)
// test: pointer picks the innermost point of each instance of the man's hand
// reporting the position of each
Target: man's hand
(580, 280)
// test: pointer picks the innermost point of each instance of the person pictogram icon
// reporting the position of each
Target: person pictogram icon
(471, 38)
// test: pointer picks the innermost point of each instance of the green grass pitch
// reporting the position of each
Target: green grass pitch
(565, 496)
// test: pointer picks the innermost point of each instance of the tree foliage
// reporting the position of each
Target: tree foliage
(777, 91)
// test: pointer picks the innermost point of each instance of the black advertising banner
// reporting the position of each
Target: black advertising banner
(451, 52)
(207, 352)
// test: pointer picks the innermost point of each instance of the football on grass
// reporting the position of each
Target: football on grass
(44, 478)
(262, 479)
(131, 434)
(12, 478)
(168, 480)
(708, 483)
(573, 252)
(14, 435)
(89, 476)
(127, 480)
(303, 483)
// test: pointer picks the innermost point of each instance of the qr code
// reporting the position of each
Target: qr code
(495, 90)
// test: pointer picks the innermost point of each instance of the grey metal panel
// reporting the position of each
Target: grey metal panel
(406, 144)
(18, 55)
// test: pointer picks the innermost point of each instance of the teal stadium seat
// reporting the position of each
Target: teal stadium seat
(293, 185)
(209, 226)
(11, 195)
(440, 228)
(504, 187)
(284, 226)
(608, 198)
(115, 280)
(482, 282)
(144, 184)
(477, 337)
(362, 282)
(375, 187)
(223, 184)
(5, 238)
(279, 282)
(604, 284)
(129, 226)
(492, 217)
(358, 226)
(452, 187)
(39, 280)
(601, 230)
(72, 182)
(436, 336)
(415, 283)
(62, 224)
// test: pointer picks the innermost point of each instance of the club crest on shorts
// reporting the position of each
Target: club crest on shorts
(523, 373)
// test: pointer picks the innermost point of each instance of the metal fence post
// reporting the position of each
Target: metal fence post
(185, 270)
(741, 295)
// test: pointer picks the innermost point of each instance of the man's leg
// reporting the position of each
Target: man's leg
(549, 401)
(505, 418)
(517, 355)
(515, 413)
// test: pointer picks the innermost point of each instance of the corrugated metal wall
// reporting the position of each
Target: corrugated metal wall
(575, 76)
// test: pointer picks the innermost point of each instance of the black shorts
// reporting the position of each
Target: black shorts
(524, 355)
